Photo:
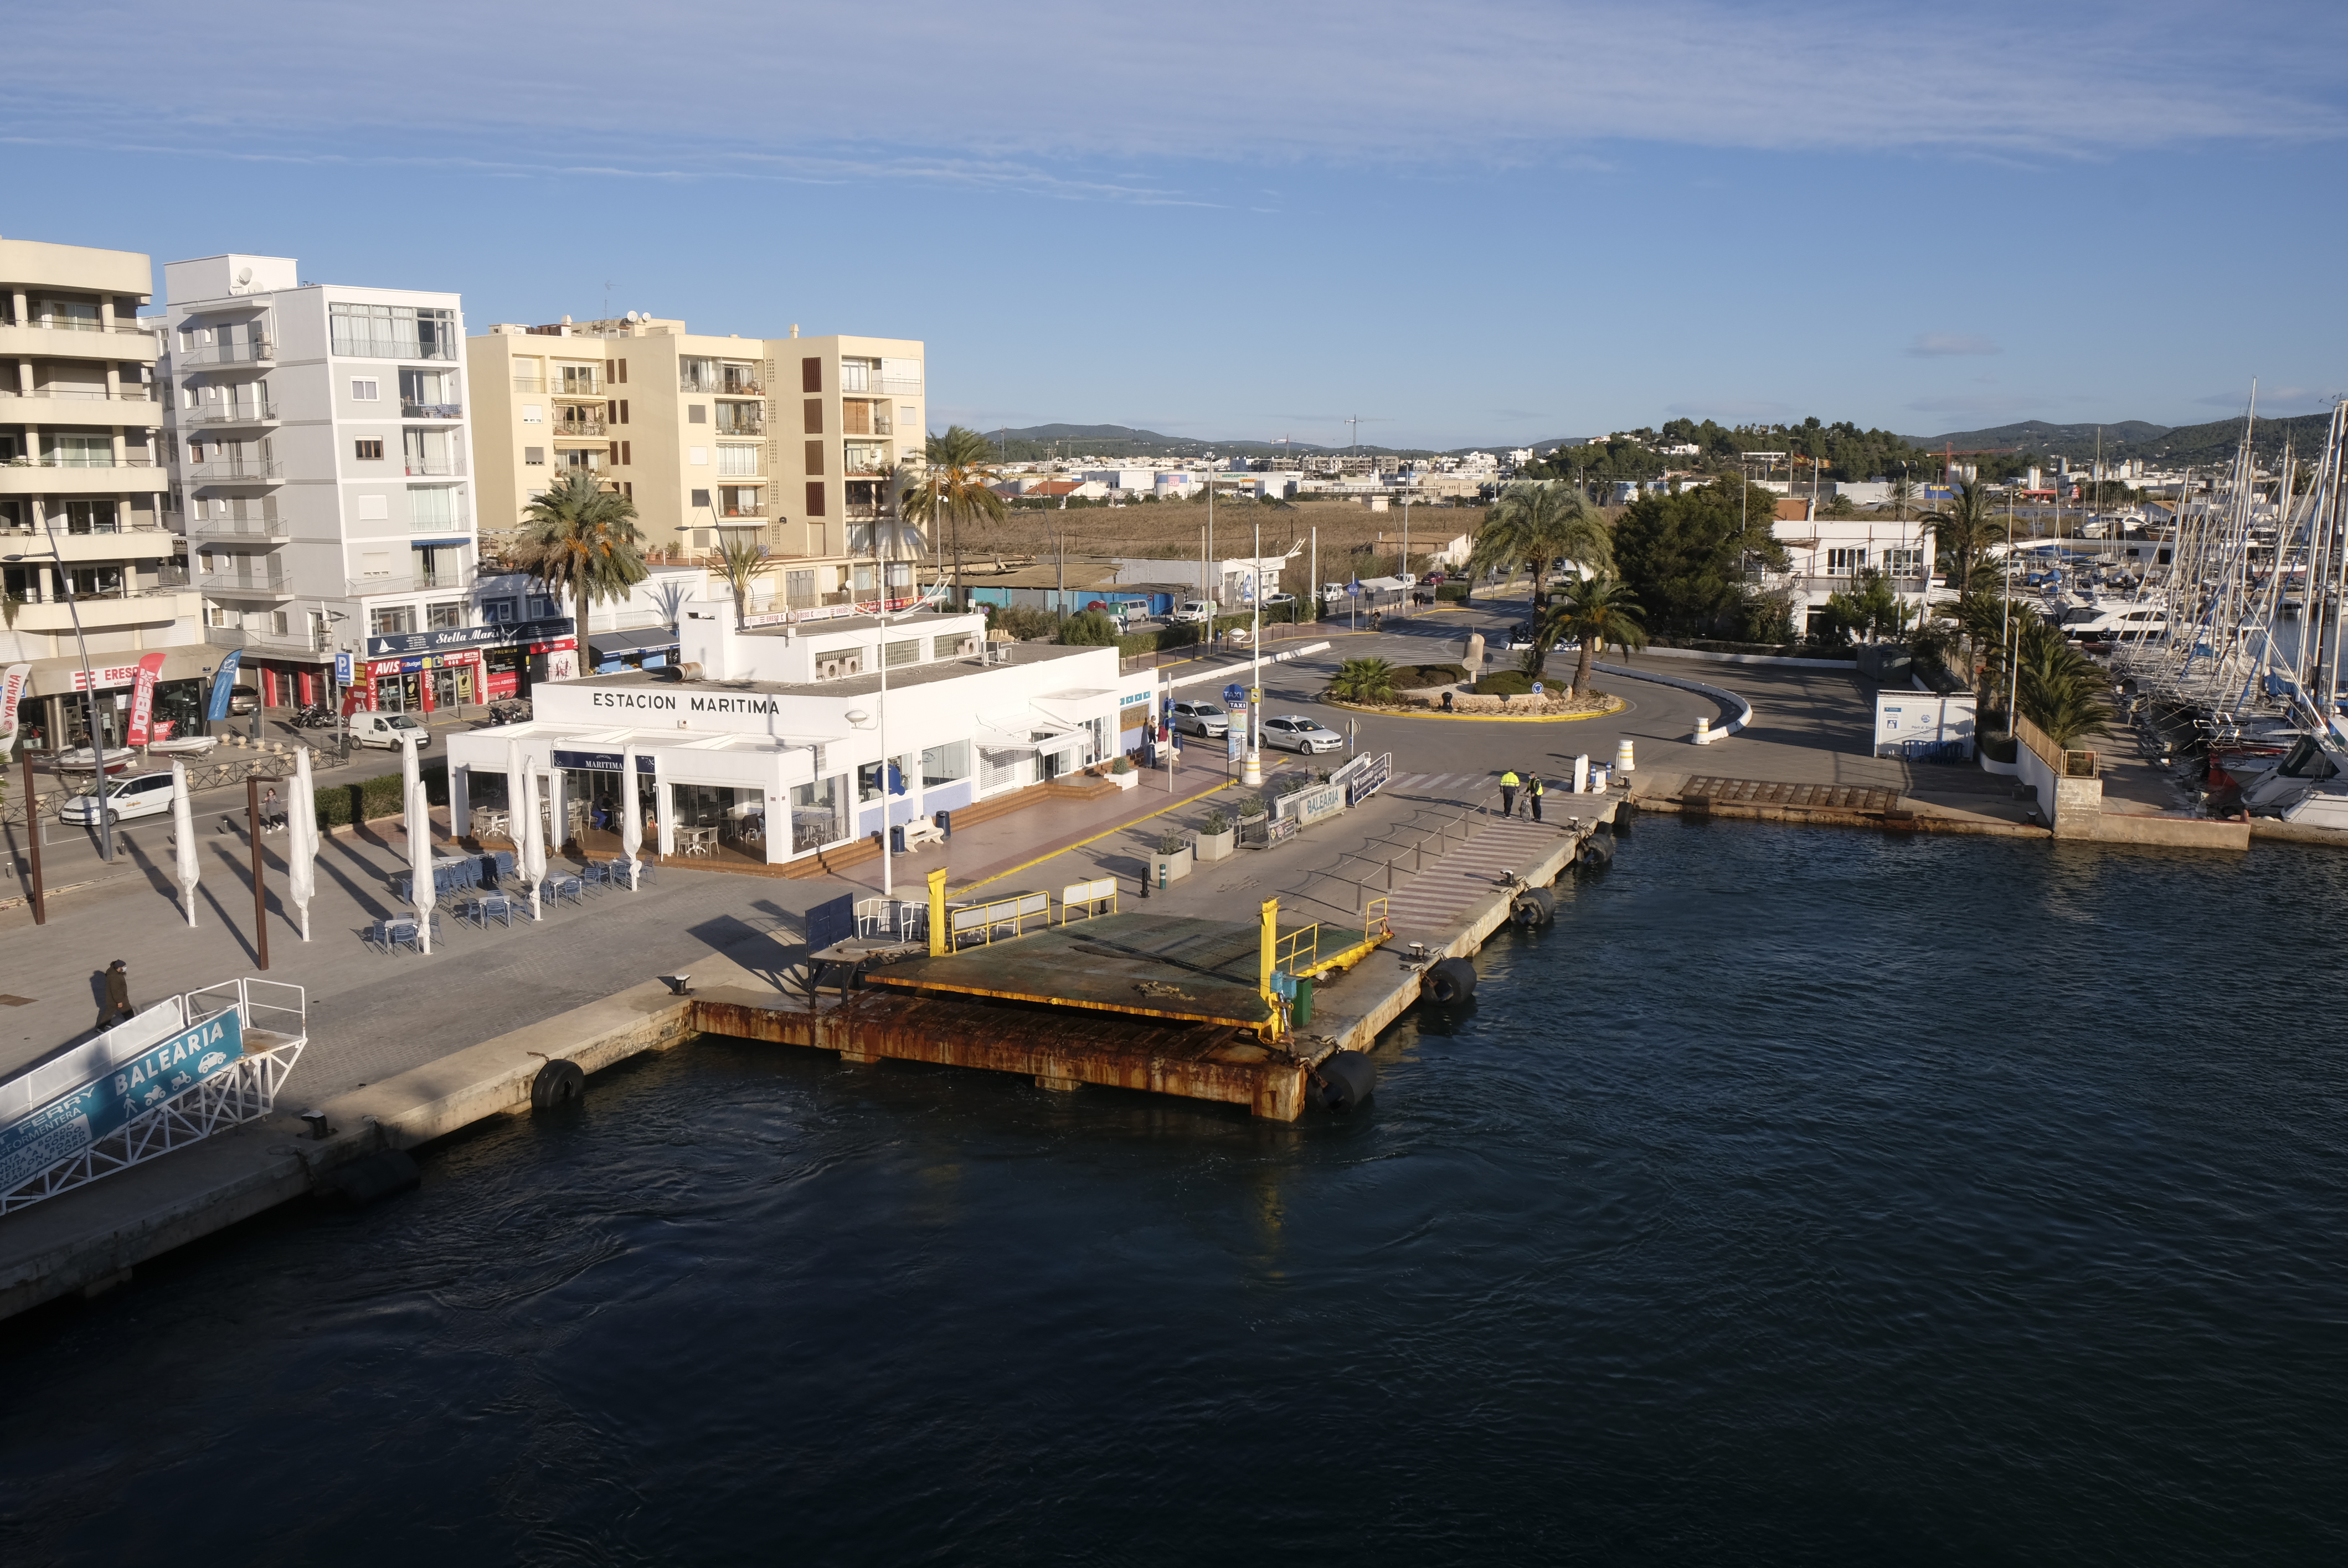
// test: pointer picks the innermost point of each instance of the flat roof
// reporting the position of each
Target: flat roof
(922, 674)
(860, 623)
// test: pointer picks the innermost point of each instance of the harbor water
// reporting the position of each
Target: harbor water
(1800, 1195)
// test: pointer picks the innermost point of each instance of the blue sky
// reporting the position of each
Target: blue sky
(1488, 222)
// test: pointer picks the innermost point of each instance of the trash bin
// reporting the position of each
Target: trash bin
(1300, 1012)
(897, 839)
(944, 820)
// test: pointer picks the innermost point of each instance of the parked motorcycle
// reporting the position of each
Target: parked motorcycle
(316, 716)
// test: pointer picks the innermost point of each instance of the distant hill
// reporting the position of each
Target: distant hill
(2199, 445)
(1031, 442)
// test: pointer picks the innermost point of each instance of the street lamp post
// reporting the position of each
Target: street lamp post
(1251, 773)
(89, 697)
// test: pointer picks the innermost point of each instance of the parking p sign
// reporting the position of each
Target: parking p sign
(343, 668)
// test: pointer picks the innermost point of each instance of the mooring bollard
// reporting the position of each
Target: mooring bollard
(1702, 731)
(1623, 762)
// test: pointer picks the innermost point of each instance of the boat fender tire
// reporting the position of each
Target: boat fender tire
(558, 1084)
(1534, 908)
(1345, 1081)
(1449, 981)
(1596, 852)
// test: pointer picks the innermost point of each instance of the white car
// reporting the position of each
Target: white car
(1197, 719)
(1193, 610)
(1295, 733)
(144, 794)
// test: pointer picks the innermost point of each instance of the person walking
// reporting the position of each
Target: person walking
(1534, 789)
(1508, 786)
(117, 996)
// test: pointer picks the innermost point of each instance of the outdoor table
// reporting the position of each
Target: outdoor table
(480, 910)
(556, 888)
(697, 840)
(496, 821)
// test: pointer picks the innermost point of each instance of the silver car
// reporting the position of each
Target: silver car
(1197, 719)
(1295, 733)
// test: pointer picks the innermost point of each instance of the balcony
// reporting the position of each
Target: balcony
(138, 393)
(273, 583)
(237, 637)
(248, 529)
(427, 468)
(741, 419)
(457, 522)
(730, 385)
(260, 350)
(438, 580)
(390, 348)
(584, 387)
(753, 511)
(580, 427)
(63, 338)
(862, 512)
(251, 471)
(79, 476)
(139, 607)
(444, 412)
(230, 414)
(108, 543)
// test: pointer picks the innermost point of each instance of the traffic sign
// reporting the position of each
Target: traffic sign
(343, 668)
(1235, 696)
(1353, 589)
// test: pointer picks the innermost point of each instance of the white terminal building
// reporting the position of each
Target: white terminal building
(772, 742)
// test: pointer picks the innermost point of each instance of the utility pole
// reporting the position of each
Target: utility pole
(32, 842)
(259, 890)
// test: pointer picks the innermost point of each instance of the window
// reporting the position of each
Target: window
(810, 374)
(700, 499)
(1846, 562)
(444, 617)
(903, 374)
(434, 507)
(815, 456)
(578, 380)
(812, 421)
(534, 454)
(622, 377)
(369, 451)
(737, 460)
(394, 622)
(394, 331)
(215, 616)
(696, 375)
(815, 498)
(696, 413)
(374, 563)
(740, 500)
(626, 450)
(866, 457)
(279, 624)
(945, 647)
(497, 611)
(541, 607)
(533, 413)
(373, 509)
(697, 456)
(365, 390)
(945, 764)
(1903, 562)
(623, 403)
(855, 376)
(799, 590)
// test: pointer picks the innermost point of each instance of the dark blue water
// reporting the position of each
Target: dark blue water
(1801, 1196)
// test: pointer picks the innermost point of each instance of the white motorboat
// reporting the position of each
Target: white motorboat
(82, 759)
(187, 746)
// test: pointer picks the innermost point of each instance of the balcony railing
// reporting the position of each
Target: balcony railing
(431, 410)
(256, 472)
(136, 393)
(83, 530)
(237, 637)
(862, 512)
(232, 414)
(740, 386)
(745, 421)
(580, 427)
(753, 509)
(529, 384)
(448, 579)
(85, 460)
(391, 348)
(266, 527)
(427, 468)
(258, 352)
(272, 582)
(577, 387)
(78, 325)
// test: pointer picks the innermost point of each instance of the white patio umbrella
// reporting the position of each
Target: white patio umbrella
(533, 842)
(183, 834)
(302, 840)
(419, 863)
(411, 770)
(631, 821)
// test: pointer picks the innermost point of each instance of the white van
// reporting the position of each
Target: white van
(1193, 611)
(146, 794)
(388, 730)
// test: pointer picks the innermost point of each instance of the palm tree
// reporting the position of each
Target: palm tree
(953, 489)
(2058, 688)
(580, 541)
(742, 561)
(1363, 681)
(1594, 611)
(1962, 530)
(1539, 523)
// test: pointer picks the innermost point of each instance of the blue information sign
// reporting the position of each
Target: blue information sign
(343, 668)
(71, 1122)
(1236, 740)
(1234, 696)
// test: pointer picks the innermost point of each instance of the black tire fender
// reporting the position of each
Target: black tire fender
(1448, 982)
(1344, 1080)
(559, 1082)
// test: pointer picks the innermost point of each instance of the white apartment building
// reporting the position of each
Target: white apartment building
(1830, 553)
(82, 489)
(322, 475)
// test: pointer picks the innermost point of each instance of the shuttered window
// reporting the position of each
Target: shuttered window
(815, 498)
(815, 456)
(622, 377)
(813, 422)
(624, 411)
(810, 375)
(855, 417)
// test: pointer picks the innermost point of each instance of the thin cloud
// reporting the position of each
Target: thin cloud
(1941, 345)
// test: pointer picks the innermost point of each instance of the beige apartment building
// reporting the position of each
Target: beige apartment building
(85, 552)
(788, 439)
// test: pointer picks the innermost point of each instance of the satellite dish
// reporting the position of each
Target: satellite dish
(244, 274)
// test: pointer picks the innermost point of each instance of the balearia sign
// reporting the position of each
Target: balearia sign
(65, 1126)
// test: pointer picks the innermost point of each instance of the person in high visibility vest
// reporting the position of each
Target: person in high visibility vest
(1509, 785)
(1533, 792)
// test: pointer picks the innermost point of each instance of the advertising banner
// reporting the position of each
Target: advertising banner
(12, 692)
(223, 683)
(142, 698)
(65, 1126)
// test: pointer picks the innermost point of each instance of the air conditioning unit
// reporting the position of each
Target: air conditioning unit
(967, 647)
(828, 668)
(851, 663)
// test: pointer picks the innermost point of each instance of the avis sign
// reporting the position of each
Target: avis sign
(74, 1121)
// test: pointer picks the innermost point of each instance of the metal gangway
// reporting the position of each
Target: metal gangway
(182, 1070)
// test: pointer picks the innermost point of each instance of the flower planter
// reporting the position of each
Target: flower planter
(1216, 845)
(1165, 870)
(1124, 780)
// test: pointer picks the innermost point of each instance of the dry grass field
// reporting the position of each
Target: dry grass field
(1353, 537)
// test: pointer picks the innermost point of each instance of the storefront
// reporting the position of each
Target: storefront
(55, 715)
(421, 672)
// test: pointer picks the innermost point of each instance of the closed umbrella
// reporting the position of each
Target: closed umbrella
(302, 840)
(631, 821)
(411, 770)
(183, 833)
(533, 836)
(419, 861)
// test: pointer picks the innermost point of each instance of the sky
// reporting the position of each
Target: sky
(1490, 222)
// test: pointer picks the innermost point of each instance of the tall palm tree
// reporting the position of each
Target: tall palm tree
(1595, 611)
(953, 489)
(580, 541)
(1539, 523)
(742, 561)
(1962, 530)
(2058, 688)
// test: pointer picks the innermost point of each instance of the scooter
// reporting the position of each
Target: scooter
(316, 716)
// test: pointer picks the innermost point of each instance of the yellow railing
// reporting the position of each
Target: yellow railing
(1374, 919)
(1083, 900)
(981, 923)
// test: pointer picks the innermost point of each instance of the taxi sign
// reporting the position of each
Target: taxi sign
(1235, 696)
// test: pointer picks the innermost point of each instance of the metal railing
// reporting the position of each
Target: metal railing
(237, 637)
(258, 472)
(247, 414)
(139, 394)
(742, 509)
(528, 384)
(88, 460)
(257, 351)
(274, 581)
(580, 427)
(741, 387)
(740, 424)
(446, 578)
(457, 520)
(78, 325)
(576, 387)
(265, 526)
(431, 410)
(1010, 915)
(390, 348)
(427, 468)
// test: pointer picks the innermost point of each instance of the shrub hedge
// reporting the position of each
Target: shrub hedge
(1505, 683)
(340, 806)
(1431, 675)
